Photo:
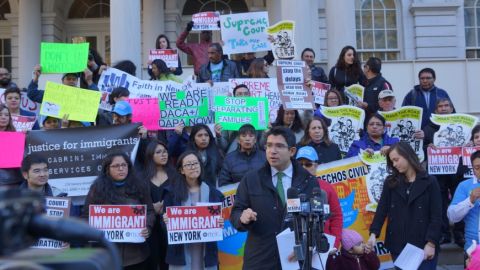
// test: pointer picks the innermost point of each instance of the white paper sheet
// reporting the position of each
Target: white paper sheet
(410, 258)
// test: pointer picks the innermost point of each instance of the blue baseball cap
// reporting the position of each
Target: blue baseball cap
(122, 108)
(307, 152)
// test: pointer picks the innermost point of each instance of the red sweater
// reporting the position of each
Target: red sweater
(334, 224)
(198, 51)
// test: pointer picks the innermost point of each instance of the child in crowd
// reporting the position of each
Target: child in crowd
(354, 254)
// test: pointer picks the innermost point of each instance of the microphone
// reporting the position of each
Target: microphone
(293, 201)
(319, 202)
(293, 210)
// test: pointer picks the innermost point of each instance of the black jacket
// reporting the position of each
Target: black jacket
(326, 153)
(238, 163)
(256, 191)
(373, 87)
(414, 219)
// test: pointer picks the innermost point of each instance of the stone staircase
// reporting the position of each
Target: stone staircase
(450, 257)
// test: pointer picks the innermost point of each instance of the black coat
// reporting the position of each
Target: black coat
(414, 219)
(372, 89)
(326, 153)
(238, 163)
(256, 191)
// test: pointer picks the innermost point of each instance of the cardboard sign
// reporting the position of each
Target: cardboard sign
(120, 223)
(169, 56)
(79, 104)
(319, 91)
(13, 146)
(245, 32)
(63, 57)
(56, 208)
(194, 224)
(291, 77)
(233, 112)
(443, 160)
(23, 123)
(282, 39)
(146, 111)
(206, 21)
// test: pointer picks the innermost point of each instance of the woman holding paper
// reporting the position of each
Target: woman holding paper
(118, 185)
(163, 43)
(187, 190)
(411, 203)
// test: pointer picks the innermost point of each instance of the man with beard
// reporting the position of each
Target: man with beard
(6, 79)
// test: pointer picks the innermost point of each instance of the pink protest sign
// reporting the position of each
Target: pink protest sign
(13, 146)
(146, 110)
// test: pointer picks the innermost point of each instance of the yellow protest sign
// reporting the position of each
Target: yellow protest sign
(79, 104)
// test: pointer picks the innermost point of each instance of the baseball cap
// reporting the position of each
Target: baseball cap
(386, 93)
(307, 152)
(76, 75)
(122, 108)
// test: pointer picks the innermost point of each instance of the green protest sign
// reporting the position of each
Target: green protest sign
(63, 57)
(232, 112)
(79, 104)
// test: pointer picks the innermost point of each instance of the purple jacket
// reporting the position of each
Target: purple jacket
(365, 142)
(346, 260)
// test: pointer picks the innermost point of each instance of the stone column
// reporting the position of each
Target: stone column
(340, 27)
(29, 39)
(153, 25)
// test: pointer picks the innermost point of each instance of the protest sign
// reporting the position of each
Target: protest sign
(262, 88)
(354, 93)
(189, 106)
(169, 56)
(79, 104)
(146, 111)
(348, 178)
(13, 146)
(23, 123)
(230, 249)
(377, 172)
(346, 122)
(233, 112)
(194, 224)
(63, 57)
(455, 129)
(290, 79)
(443, 160)
(282, 39)
(56, 207)
(319, 91)
(466, 153)
(206, 21)
(25, 103)
(217, 89)
(75, 155)
(244, 32)
(119, 223)
(402, 124)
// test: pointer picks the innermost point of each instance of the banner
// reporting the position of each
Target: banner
(206, 21)
(349, 179)
(23, 123)
(194, 224)
(346, 122)
(466, 153)
(63, 57)
(119, 223)
(75, 155)
(244, 32)
(262, 88)
(56, 208)
(230, 249)
(290, 79)
(319, 91)
(169, 56)
(146, 111)
(282, 39)
(13, 146)
(377, 172)
(443, 160)
(60, 100)
(455, 129)
(189, 106)
(25, 103)
(233, 112)
(354, 93)
(402, 124)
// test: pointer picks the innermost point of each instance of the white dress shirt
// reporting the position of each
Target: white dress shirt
(286, 178)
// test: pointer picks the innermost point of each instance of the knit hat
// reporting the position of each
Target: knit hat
(350, 238)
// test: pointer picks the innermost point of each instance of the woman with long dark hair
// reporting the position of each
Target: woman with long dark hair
(159, 175)
(290, 119)
(117, 184)
(6, 123)
(160, 72)
(201, 140)
(163, 42)
(412, 204)
(347, 71)
(333, 98)
(258, 68)
(188, 189)
(316, 135)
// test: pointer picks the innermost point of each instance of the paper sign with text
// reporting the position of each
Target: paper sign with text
(206, 21)
(169, 56)
(354, 93)
(455, 129)
(56, 207)
(120, 223)
(466, 153)
(443, 160)
(23, 123)
(233, 112)
(63, 57)
(145, 110)
(319, 91)
(13, 146)
(194, 224)
(245, 32)
(282, 39)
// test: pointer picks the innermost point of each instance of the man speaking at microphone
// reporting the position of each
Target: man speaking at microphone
(259, 206)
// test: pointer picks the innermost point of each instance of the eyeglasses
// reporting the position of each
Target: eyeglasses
(118, 166)
(333, 99)
(190, 165)
(307, 164)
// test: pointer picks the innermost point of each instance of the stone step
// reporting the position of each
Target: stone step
(450, 254)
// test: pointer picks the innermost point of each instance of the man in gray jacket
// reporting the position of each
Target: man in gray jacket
(217, 69)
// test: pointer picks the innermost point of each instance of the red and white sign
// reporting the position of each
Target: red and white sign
(23, 123)
(443, 160)
(169, 56)
(120, 223)
(57, 207)
(319, 90)
(206, 21)
(194, 224)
